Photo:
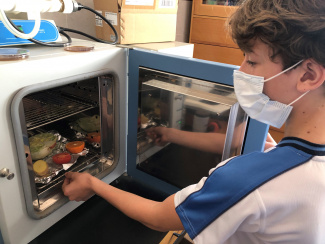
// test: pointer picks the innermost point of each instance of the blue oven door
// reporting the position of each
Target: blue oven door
(153, 169)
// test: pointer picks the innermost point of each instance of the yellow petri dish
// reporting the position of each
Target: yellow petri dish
(11, 54)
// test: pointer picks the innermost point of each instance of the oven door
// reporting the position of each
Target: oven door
(195, 101)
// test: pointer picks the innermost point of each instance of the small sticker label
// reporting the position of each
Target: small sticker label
(167, 3)
(111, 17)
(140, 2)
(98, 20)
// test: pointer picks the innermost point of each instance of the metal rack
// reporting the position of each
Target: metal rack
(53, 105)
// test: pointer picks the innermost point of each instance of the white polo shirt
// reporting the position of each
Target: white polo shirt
(239, 204)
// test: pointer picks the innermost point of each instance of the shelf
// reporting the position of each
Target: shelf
(211, 30)
(228, 100)
(212, 10)
(210, 36)
(218, 54)
(53, 105)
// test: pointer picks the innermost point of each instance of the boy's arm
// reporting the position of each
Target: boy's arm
(159, 216)
(207, 142)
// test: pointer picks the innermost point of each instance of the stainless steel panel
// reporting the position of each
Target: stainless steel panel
(204, 109)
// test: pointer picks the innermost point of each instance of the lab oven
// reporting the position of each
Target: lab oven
(108, 100)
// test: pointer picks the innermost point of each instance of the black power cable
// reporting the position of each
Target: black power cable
(54, 44)
(80, 6)
(83, 34)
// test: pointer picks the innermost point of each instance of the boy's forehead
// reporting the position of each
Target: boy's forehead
(261, 49)
(257, 48)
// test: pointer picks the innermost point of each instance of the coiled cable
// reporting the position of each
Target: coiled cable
(62, 31)
(48, 44)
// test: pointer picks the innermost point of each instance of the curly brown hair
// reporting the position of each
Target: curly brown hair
(294, 29)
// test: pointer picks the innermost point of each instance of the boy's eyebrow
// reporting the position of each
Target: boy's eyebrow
(250, 51)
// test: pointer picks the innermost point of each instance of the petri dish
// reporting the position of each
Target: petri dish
(79, 48)
(10, 54)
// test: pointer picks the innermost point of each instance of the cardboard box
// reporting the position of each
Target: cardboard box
(137, 21)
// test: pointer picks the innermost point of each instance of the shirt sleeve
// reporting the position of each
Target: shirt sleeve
(202, 204)
(245, 216)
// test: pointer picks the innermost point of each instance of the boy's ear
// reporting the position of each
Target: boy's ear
(312, 76)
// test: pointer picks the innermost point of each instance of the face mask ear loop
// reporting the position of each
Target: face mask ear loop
(298, 98)
(283, 71)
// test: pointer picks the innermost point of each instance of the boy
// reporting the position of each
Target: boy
(241, 201)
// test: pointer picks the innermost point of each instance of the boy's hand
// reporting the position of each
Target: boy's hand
(159, 135)
(77, 186)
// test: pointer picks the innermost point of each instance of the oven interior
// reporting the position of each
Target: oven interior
(205, 109)
(82, 112)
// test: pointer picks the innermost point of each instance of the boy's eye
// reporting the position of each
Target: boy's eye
(250, 63)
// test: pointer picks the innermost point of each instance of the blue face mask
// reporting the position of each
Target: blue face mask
(249, 92)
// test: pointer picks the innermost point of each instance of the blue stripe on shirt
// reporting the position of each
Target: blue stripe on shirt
(231, 182)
